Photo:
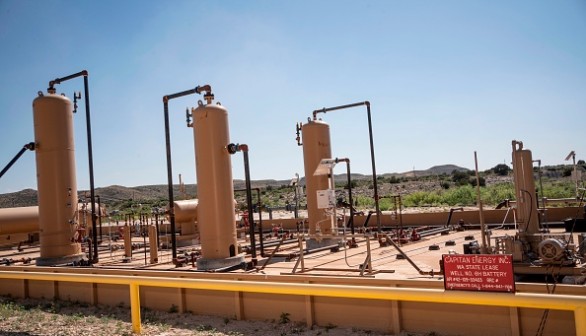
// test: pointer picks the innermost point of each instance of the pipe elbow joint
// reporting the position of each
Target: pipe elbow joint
(204, 88)
(233, 148)
(208, 96)
(30, 146)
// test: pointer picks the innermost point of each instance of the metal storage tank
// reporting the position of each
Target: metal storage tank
(215, 189)
(316, 146)
(185, 210)
(185, 219)
(56, 179)
(84, 213)
(19, 220)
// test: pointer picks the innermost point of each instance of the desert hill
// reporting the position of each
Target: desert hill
(117, 193)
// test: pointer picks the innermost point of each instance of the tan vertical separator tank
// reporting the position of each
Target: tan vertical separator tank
(215, 188)
(316, 146)
(56, 179)
(525, 189)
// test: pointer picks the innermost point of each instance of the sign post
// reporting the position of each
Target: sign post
(479, 272)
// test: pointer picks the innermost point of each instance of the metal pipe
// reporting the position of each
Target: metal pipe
(260, 233)
(422, 272)
(329, 109)
(547, 201)
(166, 99)
(450, 215)
(100, 214)
(485, 242)
(244, 149)
(66, 78)
(372, 157)
(51, 89)
(295, 184)
(349, 176)
(89, 247)
(170, 179)
(259, 206)
(540, 182)
(272, 254)
(573, 156)
(91, 164)
(232, 149)
(30, 146)
(367, 219)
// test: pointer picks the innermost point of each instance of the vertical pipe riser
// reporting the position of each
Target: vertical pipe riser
(90, 164)
(170, 179)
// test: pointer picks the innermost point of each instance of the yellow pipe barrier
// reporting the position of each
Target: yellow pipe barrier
(135, 307)
(523, 300)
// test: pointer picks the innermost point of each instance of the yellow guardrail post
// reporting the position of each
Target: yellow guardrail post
(135, 307)
(580, 317)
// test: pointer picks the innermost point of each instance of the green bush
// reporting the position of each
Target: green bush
(496, 193)
(559, 190)
(464, 195)
(501, 169)
(361, 201)
(460, 177)
(386, 204)
(422, 198)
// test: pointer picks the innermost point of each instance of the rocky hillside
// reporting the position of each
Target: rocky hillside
(115, 194)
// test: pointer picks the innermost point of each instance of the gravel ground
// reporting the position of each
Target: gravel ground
(28, 317)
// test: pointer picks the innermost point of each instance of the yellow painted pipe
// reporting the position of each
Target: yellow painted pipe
(135, 307)
(580, 318)
(525, 300)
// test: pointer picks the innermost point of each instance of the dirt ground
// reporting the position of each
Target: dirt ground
(28, 317)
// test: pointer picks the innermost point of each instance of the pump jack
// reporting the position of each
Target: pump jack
(536, 251)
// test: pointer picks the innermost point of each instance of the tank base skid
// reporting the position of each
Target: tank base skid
(211, 264)
(59, 260)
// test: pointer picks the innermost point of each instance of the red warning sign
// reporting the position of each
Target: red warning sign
(479, 272)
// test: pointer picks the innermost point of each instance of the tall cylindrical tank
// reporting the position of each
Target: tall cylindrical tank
(525, 189)
(215, 189)
(56, 179)
(316, 146)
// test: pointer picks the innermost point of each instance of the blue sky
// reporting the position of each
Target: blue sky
(445, 79)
